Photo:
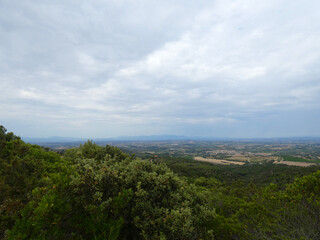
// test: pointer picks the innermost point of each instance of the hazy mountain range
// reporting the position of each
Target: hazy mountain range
(161, 138)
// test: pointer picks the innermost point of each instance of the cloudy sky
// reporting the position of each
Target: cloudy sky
(106, 68)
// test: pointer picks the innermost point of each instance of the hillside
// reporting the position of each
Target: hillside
(100, 192)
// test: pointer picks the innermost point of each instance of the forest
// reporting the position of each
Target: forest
(101, 192)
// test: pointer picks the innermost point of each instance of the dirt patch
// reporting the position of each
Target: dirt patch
(257, 159)
(217, 161)
(299, 164)
(240, 158)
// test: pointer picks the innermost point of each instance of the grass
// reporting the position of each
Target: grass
(297, 159)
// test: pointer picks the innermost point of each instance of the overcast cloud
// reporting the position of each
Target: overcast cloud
(225, 68)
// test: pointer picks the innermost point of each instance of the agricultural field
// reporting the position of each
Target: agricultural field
(289, 152)
(231, 152)
(218, 161)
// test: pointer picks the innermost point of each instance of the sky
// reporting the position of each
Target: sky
(210, 68)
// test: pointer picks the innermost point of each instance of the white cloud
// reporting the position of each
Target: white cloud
(158, 64)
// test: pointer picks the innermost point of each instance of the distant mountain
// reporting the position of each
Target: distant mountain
(52, 139)
(151, 138)
(57, 139)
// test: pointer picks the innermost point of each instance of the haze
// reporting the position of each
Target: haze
(195, 68)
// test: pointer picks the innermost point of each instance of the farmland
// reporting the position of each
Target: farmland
(289, 152)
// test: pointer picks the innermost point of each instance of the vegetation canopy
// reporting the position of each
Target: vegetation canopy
(100, 192)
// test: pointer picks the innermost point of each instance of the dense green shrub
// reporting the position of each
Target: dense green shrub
(111, 195)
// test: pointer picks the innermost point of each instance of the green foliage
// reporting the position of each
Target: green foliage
(106, 194)
(298, 159)
(161, 204)
(23, 167)
(272, 213)
(94, 192)
(260, 174)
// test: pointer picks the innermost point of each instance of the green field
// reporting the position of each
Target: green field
(297, 159)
